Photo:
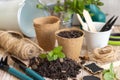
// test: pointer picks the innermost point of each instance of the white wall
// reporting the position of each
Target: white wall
(112, 7)
(8, 14)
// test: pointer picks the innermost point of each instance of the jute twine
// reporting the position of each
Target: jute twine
(14, 43)
(105, 54)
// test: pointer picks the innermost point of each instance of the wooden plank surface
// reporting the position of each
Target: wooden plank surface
(6, 76)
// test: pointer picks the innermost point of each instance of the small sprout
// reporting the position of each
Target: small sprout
(54, 54)
(109, 74)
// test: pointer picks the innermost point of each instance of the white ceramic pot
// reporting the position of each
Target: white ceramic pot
(8, 14)
(97, 39)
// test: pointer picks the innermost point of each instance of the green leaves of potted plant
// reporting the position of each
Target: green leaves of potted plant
(66, 9)
(95, 2)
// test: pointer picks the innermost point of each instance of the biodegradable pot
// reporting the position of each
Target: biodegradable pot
(45, 28)
(71, 46)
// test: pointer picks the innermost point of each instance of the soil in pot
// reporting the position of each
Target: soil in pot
(71, 39)
(70, 34)
(56, 69)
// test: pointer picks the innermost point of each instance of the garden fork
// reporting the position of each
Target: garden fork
(4, 66)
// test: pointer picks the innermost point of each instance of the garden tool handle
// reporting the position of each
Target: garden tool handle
(116, 43)
(33, 74)
(18, 74)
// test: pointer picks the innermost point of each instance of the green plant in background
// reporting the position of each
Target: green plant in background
(45, 7)
(55, 54)
(70, 6)
(95, 2)
(109, 74)
(64, 10)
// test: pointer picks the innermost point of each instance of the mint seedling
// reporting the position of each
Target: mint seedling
(54, 54)
(109, 74)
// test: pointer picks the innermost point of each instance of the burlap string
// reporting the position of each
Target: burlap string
(102, 55)
(14, 43)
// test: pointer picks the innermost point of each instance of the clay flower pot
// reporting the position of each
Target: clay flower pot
(71, 46)
(45, 28)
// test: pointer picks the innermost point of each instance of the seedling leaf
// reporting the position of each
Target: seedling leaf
(61, 55)
(57, 49)
(108, 76)
(43, 56)
(51, 53)
(55, 57)
(54, 54)
(49, 58)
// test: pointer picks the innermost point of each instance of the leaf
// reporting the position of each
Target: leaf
(105, 71)
(75, 2)
(57, 49)
(43, 56)
(61, 55)
(50, 53)
(111, 68)
(40, 6)
(50, 58)
(55, 57)
(56, 9)
(108, 76)
(100, 4)
(54, 54)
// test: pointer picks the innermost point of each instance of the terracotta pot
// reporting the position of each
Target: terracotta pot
(71, 46)
(45, 28)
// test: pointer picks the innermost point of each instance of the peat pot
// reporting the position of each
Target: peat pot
(71, 39)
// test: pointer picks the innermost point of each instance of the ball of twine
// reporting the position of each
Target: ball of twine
(105, 54)
(15, 43)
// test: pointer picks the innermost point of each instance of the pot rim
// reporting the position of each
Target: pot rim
(69, 29)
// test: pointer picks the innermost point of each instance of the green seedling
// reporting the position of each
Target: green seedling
(55, 54)
(109, 74)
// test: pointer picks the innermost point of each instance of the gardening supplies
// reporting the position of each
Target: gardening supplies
(15, 44)
(114, 39)
(97, 39)
(71, 39)
(103, 55)
(4, 66)
(90, 77)
(89, 21)
(45, 28)
(98, 14)
(93, 68)
(27, 70)
(109, 24)
(84, 26)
